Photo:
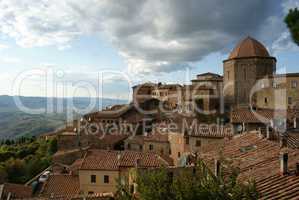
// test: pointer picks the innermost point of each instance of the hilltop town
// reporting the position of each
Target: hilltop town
(249, 117)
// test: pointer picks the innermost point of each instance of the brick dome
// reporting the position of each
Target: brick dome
(249, 47)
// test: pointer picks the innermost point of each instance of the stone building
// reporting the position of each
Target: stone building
(203, 95)
(280, 91)
(100, 170)
(152, 143)
(248, 62)
(170, 93)
(142, 92)
(214, 81)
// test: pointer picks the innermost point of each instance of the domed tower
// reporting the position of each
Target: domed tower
(248, 62)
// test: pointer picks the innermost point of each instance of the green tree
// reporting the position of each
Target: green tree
(24, 160)
(292, 21)
(154, 185)
(3, 174)
(53, 146)
(190, 184)
(15, 169)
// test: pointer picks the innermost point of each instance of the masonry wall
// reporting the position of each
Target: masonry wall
(160, 148)
(240, 76)
(276, 93)
(194, 141)
(99, 187)
(177, 146)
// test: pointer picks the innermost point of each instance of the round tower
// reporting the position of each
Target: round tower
(248, 62)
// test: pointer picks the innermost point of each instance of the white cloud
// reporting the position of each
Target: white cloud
(37, 23)
(289, 4)
(152, 35)
(284, 43)
(10, 60)
(3, 46)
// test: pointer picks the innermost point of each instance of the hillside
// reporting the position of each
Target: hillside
(14, 123)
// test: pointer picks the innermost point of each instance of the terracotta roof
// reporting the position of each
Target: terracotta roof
(209, 74)
(155, 137)
(168, 86)
(64, 152)
(249, 47)
(109, 113)
(109, 139)
(148, 84)
(245, 115)
(258, 158)
(137, 139)
(184, 125)
(287, 75)
(76, 165)
(113, 160)
(65, 186)
(293, 139)
(16, 190)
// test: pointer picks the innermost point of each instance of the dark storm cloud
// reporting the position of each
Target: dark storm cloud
(152, 35)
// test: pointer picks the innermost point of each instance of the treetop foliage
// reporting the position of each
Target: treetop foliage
(22, 159)
(190, 184)
(292, 22)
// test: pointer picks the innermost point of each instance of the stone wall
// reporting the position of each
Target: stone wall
(241, 75)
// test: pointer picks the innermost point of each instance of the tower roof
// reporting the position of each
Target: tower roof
(249, 47)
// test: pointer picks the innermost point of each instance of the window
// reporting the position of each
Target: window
(140, 147)
(294, 84)
(179, 154)
(290, 100)
(198, 143)
(129, 146)
(245, 74)
(187, 140)
(106, 179)
(131, 189)
(93, 178)
(151, 147)
(90, 192)
(266, 100)
(275, 85)
(228, 75)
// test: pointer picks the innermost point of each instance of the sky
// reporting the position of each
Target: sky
(104, 47)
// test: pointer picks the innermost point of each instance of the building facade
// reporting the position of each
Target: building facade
(248, 62)
(280, 91)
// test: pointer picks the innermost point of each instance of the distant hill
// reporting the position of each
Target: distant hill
(16, 123)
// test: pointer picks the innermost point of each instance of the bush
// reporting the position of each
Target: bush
(24, 160)
(189, 185)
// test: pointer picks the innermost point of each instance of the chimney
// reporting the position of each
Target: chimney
(283, 141)
(284, 163)
(217, 167)
(297, 168)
